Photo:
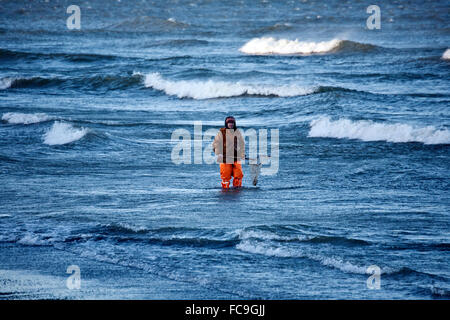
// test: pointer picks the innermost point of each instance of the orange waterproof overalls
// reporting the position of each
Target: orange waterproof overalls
(227, 169)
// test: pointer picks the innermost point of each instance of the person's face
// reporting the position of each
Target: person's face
(230, 125)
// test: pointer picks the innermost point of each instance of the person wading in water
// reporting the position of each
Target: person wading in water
(229, 146)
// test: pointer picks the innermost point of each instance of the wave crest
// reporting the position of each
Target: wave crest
(63, 133)
(446, 55)
(6, 83)
(367, 130)
(269, 45)
(24, 118)
(220, 89)
(30, 82)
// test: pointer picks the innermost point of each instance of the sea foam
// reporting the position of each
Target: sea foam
(24, 118)
(446, 55)
(6, 82)
(209, 89)
(62, 133)
(367, 130)
(284, 252)
(269, 45)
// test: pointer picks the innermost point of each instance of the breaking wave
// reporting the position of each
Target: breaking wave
(269, 45)
(367, 130)
(196, 89)
(24, 118)
(285, 252)
(446, 55)
(109, 82)
(149, 24)
(63, 133)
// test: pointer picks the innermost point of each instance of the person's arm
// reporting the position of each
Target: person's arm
(217, 142)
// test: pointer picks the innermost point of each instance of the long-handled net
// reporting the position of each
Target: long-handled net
(255, 169)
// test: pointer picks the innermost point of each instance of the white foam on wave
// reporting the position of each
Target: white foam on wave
(31, 239)
(249, 234)
(367, 130)
(209, 89)
(285, 252)
(269, 45)
(62, 133)
(244, 234)
(6, 82)
(127, 227)
(24, 118)
(446, 55)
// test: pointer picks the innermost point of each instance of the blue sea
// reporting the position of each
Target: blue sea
(88, 114)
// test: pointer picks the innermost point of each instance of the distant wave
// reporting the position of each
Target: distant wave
(25, 118)
(335, 240)
(27, 82)
(149, 24)
(178, 43)
(6, 83)
(367, 130)
(446, 55)
(277, 27)
(196, 89)
(63, 133)
(123, 228)
(94, 57)
(269, 45)
(171, 58)
(324, 89)
(73, 57)
(111, 82)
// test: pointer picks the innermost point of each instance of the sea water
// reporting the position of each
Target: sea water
(87, 177)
